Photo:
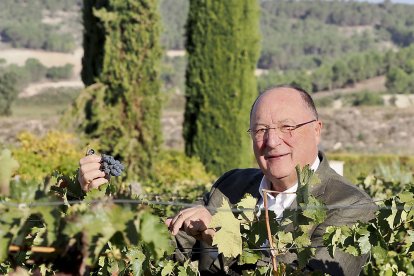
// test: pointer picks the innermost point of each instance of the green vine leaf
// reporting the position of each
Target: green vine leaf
(248, 202)
(136, 258)
(227, 238)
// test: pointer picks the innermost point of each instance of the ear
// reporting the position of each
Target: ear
(318, 130)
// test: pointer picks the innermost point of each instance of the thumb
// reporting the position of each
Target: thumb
(207, 236)
(168, 221)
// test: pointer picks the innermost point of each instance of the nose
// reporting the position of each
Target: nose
(273, 138)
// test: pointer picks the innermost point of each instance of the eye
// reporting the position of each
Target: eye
(286, 128)
(260, 130)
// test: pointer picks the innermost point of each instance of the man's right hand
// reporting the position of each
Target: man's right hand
(194, 221)
(89, 175)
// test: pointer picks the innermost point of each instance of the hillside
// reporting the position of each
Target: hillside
(335, 49)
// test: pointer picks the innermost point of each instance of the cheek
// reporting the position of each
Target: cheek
(258, 148)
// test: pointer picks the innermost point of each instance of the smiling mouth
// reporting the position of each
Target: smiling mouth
(276, 156)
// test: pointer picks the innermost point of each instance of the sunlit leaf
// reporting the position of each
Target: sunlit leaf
(227, 238)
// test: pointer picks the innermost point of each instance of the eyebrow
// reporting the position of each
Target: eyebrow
(282, 122)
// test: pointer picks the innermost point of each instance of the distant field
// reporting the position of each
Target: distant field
(19, 57)
(45, 105)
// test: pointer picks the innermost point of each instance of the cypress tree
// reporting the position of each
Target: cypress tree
(223, 44)
(121, 105)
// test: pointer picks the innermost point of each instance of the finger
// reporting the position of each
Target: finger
(168, 222)
(195, 219)
(208, 235)
(178, 220)
(97, 182)
(193, 226)
(89, 167)
(90, 159)
(87, 178)
(198, 222)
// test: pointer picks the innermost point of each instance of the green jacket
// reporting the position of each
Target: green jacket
(333, 190)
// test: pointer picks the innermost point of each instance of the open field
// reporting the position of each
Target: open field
(19, 57)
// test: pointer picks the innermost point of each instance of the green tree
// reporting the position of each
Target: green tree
(8, 92)
(223, 47)
(35, 69)
(121, 106)
(398, 81)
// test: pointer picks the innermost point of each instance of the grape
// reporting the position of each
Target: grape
(111, 166)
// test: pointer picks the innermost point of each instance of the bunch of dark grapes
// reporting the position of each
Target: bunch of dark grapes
(111, 166)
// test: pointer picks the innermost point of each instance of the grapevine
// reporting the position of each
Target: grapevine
(105, 234)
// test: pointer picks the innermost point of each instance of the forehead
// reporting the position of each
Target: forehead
(279, 105)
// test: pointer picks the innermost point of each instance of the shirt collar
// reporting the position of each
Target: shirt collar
(265, 183)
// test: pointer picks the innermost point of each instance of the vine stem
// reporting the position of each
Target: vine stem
(269, 234)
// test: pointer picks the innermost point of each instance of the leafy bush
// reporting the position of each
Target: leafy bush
(174, 167)
(364, 98)
(60, 72)
(179, 175)
(40, 156)
(325, 101)
(357, 166)
(35, 69)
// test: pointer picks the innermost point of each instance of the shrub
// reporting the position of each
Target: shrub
(60, 73)
(8, 92)
(357, 166)
(177, 178)
(40, 156)
(364, 98)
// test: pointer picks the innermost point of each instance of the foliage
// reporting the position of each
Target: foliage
(8, 166)
(364, 98)
(388, 239)
(50, 96)
(400, 76)
(93, 233)
(8, 92)
(357, 165)
(87, 236)
(326, 101)
(177, 177)
(332, 74)
(60, 72)
(22, 25)
(40, 156)
(176, 168)
(14, 78)
(222, 46)
(122, 107)
(173, 73)
(173, 15)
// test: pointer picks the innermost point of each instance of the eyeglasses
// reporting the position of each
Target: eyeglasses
(259, 133)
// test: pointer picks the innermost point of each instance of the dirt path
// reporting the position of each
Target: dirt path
(37, 88)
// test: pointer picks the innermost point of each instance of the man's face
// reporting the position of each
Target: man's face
(278, 153)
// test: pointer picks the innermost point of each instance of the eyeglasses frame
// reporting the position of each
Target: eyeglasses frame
(250, 131)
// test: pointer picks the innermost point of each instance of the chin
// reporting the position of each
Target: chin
(279, 173)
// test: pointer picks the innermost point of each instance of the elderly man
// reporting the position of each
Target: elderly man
(285, 131)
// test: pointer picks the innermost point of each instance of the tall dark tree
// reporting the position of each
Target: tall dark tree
(121, 105)
(223, 47)
(8, 91)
